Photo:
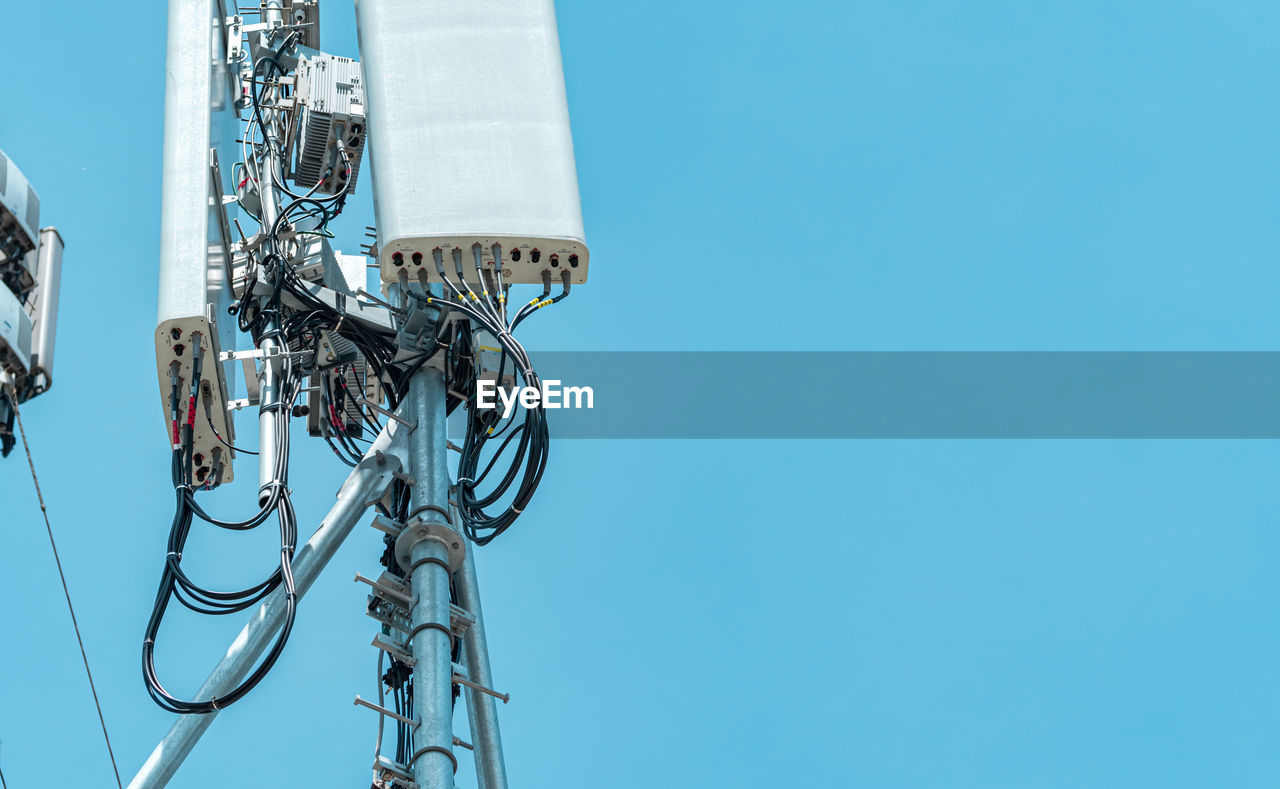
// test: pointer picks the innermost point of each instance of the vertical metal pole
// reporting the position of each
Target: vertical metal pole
(269, 441)
(269, 373)
(433, 762)
(482, 709)
(273, 12)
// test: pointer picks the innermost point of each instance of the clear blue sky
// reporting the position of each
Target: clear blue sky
(807, 175)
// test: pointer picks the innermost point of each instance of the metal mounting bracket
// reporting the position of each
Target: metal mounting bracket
(258, 353)
(389, 588)
(359, 702)
(388, 772)
(394, 650)
(418, 530)
(460, 619)
(387, 526)
(460, 678)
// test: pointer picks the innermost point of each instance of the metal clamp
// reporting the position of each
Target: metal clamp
(388, 770)
(417, 530)
(387, 526)
(394, 650)
(460, 619)
(437, 749)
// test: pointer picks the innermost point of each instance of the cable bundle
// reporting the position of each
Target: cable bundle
(175, 583)
(265, 318)
(488, 311)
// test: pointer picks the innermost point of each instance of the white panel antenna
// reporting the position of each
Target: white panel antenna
(200, 129)
(471, 129)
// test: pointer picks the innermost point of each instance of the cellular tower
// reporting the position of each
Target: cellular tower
(454, 117)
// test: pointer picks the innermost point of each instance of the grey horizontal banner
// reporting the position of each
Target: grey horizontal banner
(843, 395)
